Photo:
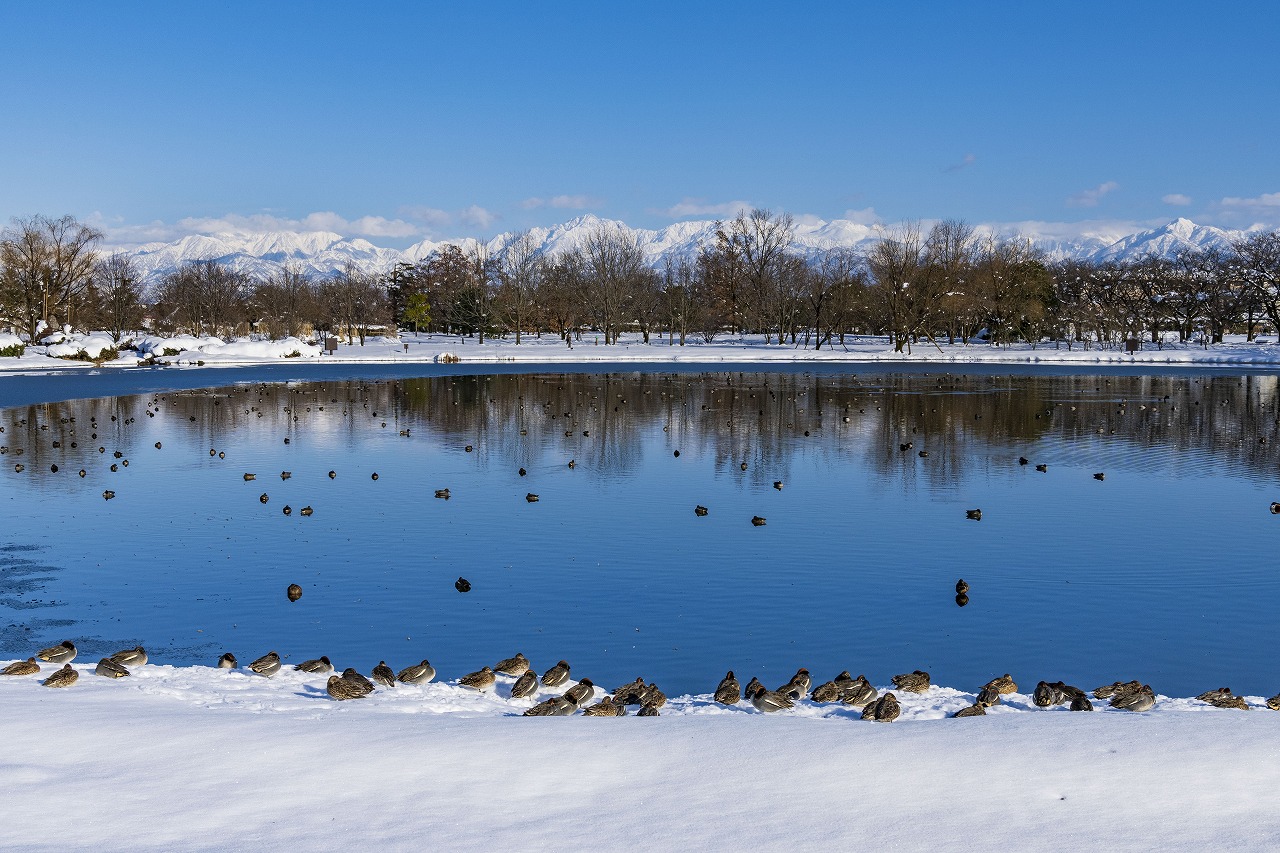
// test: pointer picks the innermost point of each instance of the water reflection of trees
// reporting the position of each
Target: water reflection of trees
(761, 420)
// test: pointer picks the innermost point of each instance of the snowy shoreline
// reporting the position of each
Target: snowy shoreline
(189, 352)
(201, 758)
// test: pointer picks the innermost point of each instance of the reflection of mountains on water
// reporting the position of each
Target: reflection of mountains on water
(761, 419)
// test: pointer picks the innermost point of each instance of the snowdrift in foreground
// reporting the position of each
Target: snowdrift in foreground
(196, 757)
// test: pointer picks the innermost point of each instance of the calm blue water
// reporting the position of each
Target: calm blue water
(1164, 571)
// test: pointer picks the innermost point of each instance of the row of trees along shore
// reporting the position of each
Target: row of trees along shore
(949, 283)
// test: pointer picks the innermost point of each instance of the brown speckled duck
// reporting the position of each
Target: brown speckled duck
(730, 691)
(64, 677)
(912, 682)
(21, 667)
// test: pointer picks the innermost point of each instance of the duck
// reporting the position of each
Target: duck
(798, 686)
(828, 691)
(1142, 699)
(1274, 703)
(64, 652)
(557, 675)
(884, 710)
(1100, 476)
(988, 696)
(306, 510)
(136, 656)
(606, 707)
(228, 661)
(1223, 698)
(443, 494)
(631, 693)
(974, 514)
(532, 498)
(419, 673)
(768, 701)
(563, 707)
(1045, 695)
(777, 484)
(649, 710)
(21, 667)
(962, 588)
(483, 679)
(318, 666)
(350, 674)
(581, 693)
(543, 708)
(267, 665)
(653, 696)
(1005, 684)
(729, 691)
(1115, 688)
(1043, 469)
(752, 686)
(912, 682)
(340, 688)
(978, 710)
(64, 677)
(859, 693)
(110, 669)
(383, 674)
(758, 520)
(526, 685)
(1080, 702)
(699, 510)
(462, 585)
(515, 666)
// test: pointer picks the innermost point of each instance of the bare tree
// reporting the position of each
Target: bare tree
(283, 303)
(46, 266)
(760, 242)
(203, 297)
(613, 264)
(520, 270)
(117, 296)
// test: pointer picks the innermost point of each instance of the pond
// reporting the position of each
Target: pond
(1162, 570)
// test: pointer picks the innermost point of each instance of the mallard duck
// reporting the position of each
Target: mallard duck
(318, 666)
(515, 666)
(64, 652)
(419, 673)
(884, 710)
(1045, 695)
(912, 682)
(350, 674)
(134, 657)
(267, 665)
(1080, 702)
(768, 701)
(383, 674)
(543, 708)
(1142, 699)
(110, 669)
(22, 667)
(798, 686)
(557, 675)
(483, 679)
(649, 711)
(1005, 684)
(858, 693)
(606, 707)
(988, 696)
(526, 685)
(729, 691)
(978, 710)
(64, 677)
(340, 688)
(581, 693)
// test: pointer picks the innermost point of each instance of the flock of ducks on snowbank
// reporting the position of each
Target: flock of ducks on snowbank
(844, 688)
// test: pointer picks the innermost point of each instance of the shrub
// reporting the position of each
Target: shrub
(13, 351)
(106, 354)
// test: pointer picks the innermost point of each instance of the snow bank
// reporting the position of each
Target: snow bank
(197, 757)
(80, 346)
(7, 340)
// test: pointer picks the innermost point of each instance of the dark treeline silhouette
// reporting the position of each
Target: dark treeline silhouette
(950, 282)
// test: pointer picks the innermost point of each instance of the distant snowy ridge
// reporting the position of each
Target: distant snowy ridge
(325, 253)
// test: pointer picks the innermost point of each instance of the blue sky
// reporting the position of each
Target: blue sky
(397, 121)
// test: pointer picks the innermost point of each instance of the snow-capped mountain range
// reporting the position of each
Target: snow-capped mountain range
(324, 253)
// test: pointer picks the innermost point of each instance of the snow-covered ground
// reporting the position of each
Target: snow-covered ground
(187, 351)
(201, 758)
